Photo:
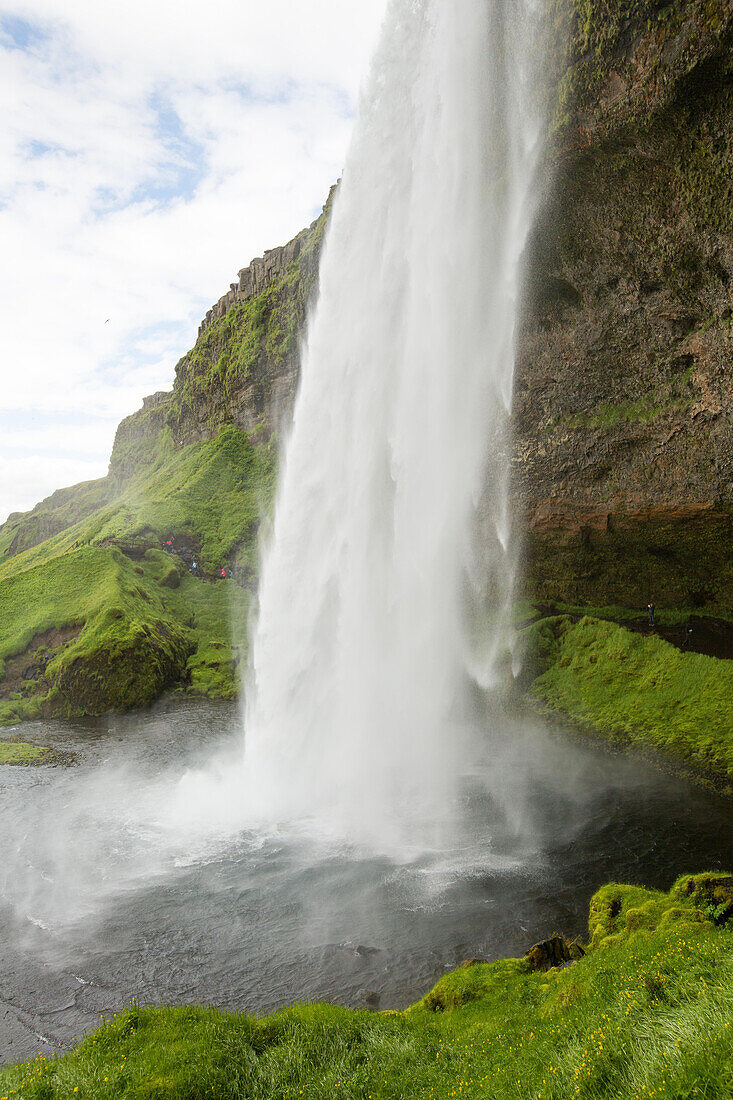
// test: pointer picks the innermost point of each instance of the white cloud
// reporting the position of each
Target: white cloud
(27, 478)
(148, 152)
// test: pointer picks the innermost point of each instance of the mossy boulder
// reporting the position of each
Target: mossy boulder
(557, 951)
(712, 893)
(130, 665)
(619, 911)
(23, 753)
(471, 983)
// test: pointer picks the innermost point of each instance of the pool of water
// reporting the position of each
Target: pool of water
(105, 898)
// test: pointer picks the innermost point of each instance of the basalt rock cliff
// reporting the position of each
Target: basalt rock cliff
(623, 465)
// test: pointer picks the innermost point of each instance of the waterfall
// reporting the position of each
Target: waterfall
(386, 583)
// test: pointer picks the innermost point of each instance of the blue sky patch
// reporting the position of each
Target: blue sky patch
(179, 171)
(18, 34)
(36, 149)
(185, 168)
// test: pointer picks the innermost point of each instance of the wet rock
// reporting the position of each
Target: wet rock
(713, 893)
(556, 951)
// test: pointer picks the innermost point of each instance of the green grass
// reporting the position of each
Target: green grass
(143, 622)
(60, 593)
(20, 752)
(218, 614)
(647, 1012)
(215, 492)
(637, 689)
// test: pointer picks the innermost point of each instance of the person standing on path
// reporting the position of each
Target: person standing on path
(650, 608)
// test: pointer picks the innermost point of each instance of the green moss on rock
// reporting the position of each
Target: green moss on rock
(636, 689)
(118, 664)
(21, 752)
(244, 366)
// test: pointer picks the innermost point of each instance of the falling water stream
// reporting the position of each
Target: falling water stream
(392, 536)
(387, 817)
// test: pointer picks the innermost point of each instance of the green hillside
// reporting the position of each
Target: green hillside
(100, 606)
(104, 616)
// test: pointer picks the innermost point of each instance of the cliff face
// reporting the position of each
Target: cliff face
(623, 462)
(243, 368)
(623, 467)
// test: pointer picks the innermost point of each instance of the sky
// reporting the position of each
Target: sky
(148, 151)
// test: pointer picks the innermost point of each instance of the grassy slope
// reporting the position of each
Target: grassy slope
(144, 622)
(59, 511)
(213, 491)
(89, 556)
(637, 689)
(647, 1012)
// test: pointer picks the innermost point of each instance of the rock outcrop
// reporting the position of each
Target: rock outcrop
(261, 273)
(137, 435)
(623, 464)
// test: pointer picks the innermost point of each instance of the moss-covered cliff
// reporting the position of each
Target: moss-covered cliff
(111, 591)
(624, 400)
(243, 369)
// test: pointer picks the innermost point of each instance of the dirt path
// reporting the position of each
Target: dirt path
(713, 637)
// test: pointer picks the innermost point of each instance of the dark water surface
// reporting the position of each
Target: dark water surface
(100, 903)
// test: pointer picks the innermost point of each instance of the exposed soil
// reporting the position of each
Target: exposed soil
(713, 637)
(31, 664)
